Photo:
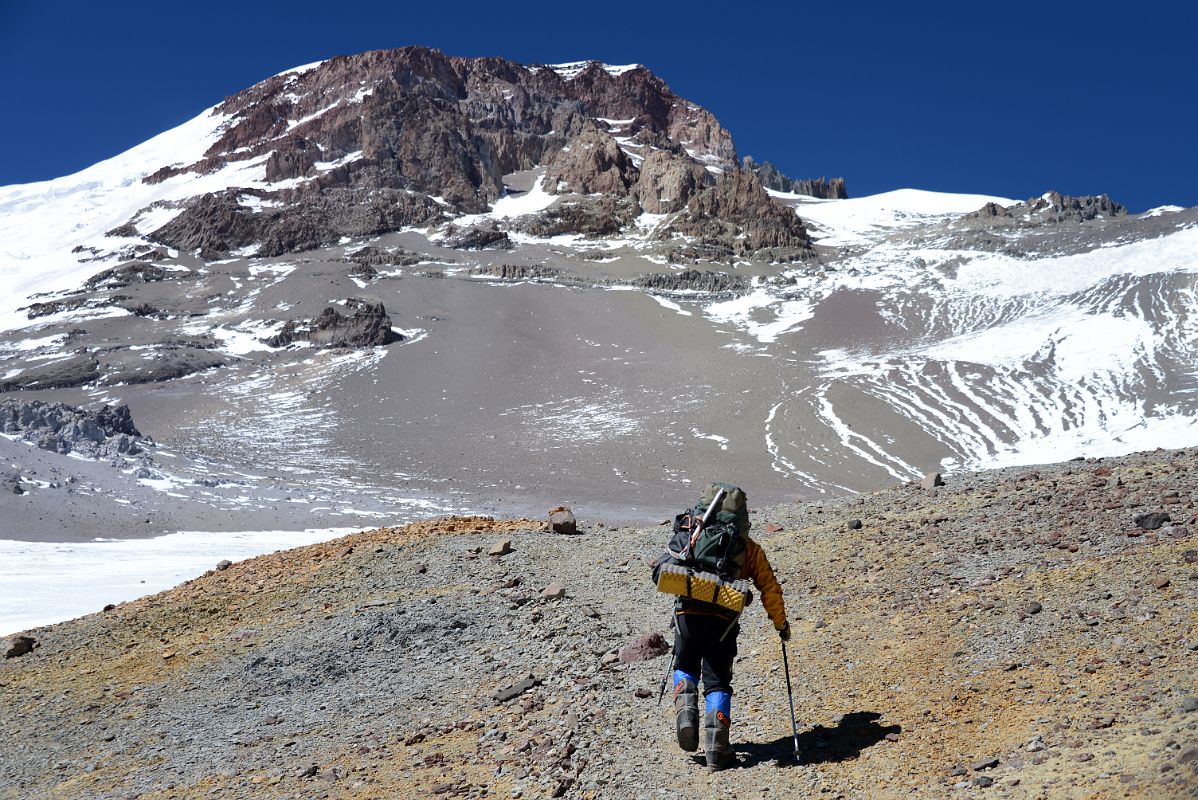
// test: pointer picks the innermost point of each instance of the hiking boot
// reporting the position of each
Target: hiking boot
(686, 707)
(716, 726)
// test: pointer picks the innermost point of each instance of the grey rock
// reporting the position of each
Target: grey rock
(931, 480)
(1152, 520)
(693, 280)
(516, 689)
(19, 646)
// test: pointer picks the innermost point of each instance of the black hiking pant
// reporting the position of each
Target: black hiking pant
(699, 650)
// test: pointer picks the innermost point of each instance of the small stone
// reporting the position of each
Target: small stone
(1033, 608)
(500, 548)
(553, 592)
(985, 763)
(1189, 704)
(167, 655)
(892, 737)
(516, 689)
(643, 693)
(1160, 583)
(1083, 757)
(221, 566)
(958, 770)
(853, 524)
(773, 527)
(983, 781)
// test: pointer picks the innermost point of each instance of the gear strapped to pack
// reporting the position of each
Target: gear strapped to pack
(706, 552)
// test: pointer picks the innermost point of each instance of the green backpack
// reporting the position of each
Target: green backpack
(720, 546)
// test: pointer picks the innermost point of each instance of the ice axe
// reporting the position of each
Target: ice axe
(711, 509)
(794, 728)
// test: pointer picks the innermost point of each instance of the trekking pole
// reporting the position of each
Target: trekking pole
(794, 728)
(661, 692)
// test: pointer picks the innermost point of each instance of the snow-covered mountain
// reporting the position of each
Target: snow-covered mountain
(406, 280)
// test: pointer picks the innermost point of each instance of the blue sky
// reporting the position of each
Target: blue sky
(1009, 99)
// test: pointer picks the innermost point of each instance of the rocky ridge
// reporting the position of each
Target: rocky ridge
(358, 146)
(1021, 633)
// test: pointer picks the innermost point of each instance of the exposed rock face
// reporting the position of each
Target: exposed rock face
(125, 274)
(73, 303)
(1050, 208)
(76, 371)
(478, 238)
(516, 272)
(591, 163)
(216, 224)
(667, 181)
(367, 326)
(692, 280)
(596, 216)
(165, 362)
(772, 178)
(416, 120)
(60, 428)
(371, 256)
(736, 214)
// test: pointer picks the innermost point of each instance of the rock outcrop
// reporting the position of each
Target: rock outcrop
(591, 163)
(773, 178)
(60, 428)
(692, 280)
(359, 145)
(216, 224)
(595, 216)
(368, 325)
(1048, 209)
(668, 181)
(737, 216)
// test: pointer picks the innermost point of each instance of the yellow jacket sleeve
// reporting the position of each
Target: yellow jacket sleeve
(757, 567)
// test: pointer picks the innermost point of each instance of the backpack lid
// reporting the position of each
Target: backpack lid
(733, 508)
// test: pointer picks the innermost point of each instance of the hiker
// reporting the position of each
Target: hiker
(713, 561)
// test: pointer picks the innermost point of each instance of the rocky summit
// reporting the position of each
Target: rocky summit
(358, 145)
(1024, 633)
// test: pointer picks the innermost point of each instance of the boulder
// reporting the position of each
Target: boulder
(931, 480)
(500, 548)
(644, 647)
(19, 646)
(553, 591)
(368, 326)
(561, 520)
(1152, 520)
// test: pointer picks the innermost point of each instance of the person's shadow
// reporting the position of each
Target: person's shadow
(820, 745)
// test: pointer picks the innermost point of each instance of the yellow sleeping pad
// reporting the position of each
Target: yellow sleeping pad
(683, 582)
